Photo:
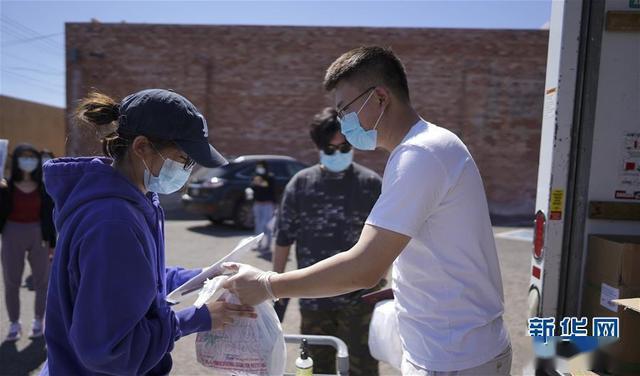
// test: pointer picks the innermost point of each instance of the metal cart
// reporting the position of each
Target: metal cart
(342, 352)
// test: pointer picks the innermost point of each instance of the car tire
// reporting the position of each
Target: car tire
(243, 215)
(214, 220)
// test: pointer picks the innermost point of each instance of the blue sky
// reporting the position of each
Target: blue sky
(32, 32)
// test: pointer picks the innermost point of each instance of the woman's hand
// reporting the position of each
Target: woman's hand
(223, 313)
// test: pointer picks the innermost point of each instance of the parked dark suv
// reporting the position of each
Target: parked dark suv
(219, 193)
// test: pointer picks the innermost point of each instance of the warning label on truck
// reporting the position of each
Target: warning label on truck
(550, 100)
(629, 168)
(556, 205)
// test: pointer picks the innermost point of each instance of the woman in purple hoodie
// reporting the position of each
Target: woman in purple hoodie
(106, 309)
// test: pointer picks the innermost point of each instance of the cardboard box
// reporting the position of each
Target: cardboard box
(594, 302)
(628, 347)
(628, 363)
(611, 284)
(614, 259)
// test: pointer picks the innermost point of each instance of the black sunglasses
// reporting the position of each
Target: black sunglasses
(344, 147)
(342, 110)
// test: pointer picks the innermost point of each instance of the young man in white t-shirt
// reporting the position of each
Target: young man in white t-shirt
(431, 223)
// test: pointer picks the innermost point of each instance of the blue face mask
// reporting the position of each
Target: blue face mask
(27, 164)
(171, 178)
(356, 135)
(337, 162)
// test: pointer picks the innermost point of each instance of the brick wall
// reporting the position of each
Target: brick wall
(259, 86)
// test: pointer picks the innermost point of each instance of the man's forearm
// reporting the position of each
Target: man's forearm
(360, 267)
(280, 257)
(333, 276)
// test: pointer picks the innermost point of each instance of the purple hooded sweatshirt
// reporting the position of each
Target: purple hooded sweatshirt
(106, 312)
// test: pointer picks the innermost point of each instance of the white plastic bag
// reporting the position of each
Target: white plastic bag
(247, 347)
(211, 291)
(384, 338)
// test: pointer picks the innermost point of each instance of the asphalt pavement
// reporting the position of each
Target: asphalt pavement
(194, 243)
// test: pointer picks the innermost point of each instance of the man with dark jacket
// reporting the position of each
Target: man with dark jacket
(323, 210)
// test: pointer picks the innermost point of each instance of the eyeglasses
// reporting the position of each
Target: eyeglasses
(343, 110)
(344, 147)
(187, 164)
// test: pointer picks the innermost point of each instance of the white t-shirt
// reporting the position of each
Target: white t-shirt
(447, 282)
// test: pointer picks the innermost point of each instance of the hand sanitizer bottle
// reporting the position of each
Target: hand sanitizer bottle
(304, 363)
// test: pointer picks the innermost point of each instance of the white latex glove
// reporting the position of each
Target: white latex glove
(251, 285)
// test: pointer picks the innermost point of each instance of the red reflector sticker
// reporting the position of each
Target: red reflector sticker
(538, 239)
(536, 272)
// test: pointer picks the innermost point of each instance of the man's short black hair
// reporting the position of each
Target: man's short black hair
(324, 126)
(369, 66)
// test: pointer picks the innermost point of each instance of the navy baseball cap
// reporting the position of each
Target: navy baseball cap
(167, 115)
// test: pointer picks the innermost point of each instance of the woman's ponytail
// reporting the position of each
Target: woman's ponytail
(98, 109)
(102, 112)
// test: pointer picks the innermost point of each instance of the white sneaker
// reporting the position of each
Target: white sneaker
(37, 329)
(15, 332)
